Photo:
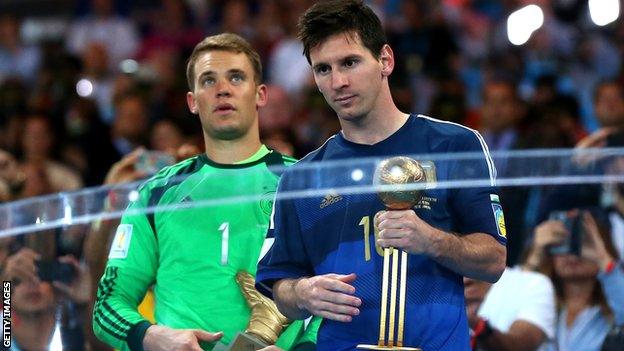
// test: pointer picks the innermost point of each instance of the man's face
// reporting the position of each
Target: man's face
(347, 74)
(610, 106)
(500, 108)
(571, 267)
(226, 96)
(131, 120)
(33, 297)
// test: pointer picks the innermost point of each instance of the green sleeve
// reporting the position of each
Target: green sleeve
(130, 270)
(309, 335)
(298, 333)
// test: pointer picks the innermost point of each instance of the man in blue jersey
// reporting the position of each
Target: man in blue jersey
(320, 262)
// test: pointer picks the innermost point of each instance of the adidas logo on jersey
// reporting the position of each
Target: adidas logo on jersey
(330, 199)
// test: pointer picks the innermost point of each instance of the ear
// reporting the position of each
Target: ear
(262, 95)
(387, 60)
(190, 101)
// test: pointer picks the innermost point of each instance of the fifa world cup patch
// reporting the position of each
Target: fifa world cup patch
(499, 217)
(121, 242)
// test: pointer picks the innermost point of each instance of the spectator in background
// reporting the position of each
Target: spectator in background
(16, 59)
(43, 174)
(449, 103)
(589, 287)
(118, 35)
(501, 115)
(171, 28)
(609, 109)
(313, 123)
(88, 146)
(555, 124)
(95, 70)
(609, 104)
(268, 23)
(277, 115)
(276, 121)
(289, 69)
(36, 303)
(11, 176)
(166, 136)
(234, 17)
(131, 123)
(498, 322)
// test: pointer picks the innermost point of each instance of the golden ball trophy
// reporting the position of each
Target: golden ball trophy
(265, 323)
(402, 173)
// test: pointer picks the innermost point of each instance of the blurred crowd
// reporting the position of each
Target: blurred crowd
(79, 93)
(80, 90)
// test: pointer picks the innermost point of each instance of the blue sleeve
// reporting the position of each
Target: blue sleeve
(613, 287)
(477, 208)
(287, 258)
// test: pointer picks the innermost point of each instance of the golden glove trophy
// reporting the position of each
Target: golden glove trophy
(400, 172)
(265, 323)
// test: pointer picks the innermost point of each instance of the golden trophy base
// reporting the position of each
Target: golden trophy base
(377, 347)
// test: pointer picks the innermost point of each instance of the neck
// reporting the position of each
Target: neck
(577, 295)
(381, 122)
(35, 330)
(232, 151)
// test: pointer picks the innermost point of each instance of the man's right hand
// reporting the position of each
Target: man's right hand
(549, 233)
(21, 266)
(329, 296)
(161, 338)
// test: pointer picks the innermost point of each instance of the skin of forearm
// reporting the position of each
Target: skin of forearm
(522, 336)
(534, 259)
(505, 342)
(476, 256)
(285, 299)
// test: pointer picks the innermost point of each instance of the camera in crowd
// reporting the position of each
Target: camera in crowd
(53, 270)
(150, 162)
(573, 222)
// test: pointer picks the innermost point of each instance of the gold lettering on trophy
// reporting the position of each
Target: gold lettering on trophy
(425, 203)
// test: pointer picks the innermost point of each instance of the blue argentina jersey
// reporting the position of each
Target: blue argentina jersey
(334, 232)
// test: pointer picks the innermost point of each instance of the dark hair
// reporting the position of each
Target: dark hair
(224, 42)
(328, 18)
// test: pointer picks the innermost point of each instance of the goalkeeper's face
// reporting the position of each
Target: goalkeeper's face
(226, 95)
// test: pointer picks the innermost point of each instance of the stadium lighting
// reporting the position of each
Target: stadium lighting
(357, 175)
(523, 22)
(84, 88)
(133, 196)
(129, 66)
(603, 12)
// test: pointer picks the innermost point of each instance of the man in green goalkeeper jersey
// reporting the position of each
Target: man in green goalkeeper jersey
(217, 208)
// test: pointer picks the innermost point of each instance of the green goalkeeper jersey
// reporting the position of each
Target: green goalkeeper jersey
(191, 228)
